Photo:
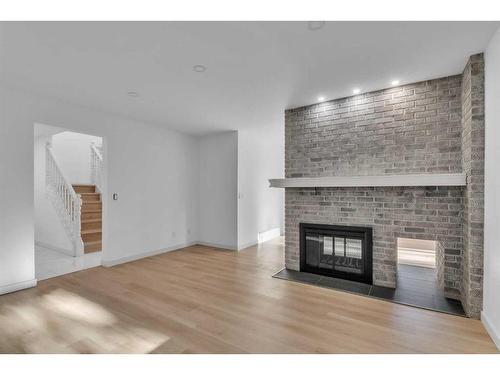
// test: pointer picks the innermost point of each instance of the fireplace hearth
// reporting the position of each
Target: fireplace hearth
(336, 250)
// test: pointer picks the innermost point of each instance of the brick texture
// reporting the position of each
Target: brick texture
(410, 129)
(473, 166)
(430, 213)
(415, 128)
(440, 263)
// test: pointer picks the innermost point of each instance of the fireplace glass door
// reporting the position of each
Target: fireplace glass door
(343, 252)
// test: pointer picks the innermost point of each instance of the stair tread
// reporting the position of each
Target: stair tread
(92, 211)
(84, 189)
(88, 231)
(92, 243)
(92, 247)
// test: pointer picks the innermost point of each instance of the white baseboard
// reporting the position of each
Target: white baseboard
(113, 262)
(247, 245)
(218, 245)
(69, 252)
(268, 235)
(494, 334)
(261, 237)
(4, 289)
(131, 258)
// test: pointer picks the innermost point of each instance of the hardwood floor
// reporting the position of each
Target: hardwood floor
(205, 300)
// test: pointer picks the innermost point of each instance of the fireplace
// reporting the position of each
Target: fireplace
(338, 251)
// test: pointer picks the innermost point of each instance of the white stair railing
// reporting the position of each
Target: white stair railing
(67, 203)
(96, 167)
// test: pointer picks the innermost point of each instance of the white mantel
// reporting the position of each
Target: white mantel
(446, 179)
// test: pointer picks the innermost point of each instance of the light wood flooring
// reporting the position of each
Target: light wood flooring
(205, 300)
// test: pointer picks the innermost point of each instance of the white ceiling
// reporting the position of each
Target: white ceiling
(254, 69)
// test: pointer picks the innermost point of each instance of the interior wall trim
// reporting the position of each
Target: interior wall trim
(220, 246)
(428, 179)
(131, 258)
(4, 289)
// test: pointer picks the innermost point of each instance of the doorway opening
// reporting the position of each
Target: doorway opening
(419, 276)
(68, 186)
(417, 253)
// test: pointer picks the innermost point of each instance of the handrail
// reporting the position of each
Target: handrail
(65, 200)
(96, 150)
(96, 167)
(60, 174)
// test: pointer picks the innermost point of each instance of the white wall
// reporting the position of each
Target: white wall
(49, 230)
(155, 210)
(491, 302)
(218, 188)
(260, 208)
(159, 175)
(16, 198)
(72, 153)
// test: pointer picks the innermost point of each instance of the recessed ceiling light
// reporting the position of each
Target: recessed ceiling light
(356, 91)
(321, 98)
(395, 82)
(199, 68)
(133, 94)
(315, 25)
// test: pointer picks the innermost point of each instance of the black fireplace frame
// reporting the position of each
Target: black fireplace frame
(363, 233)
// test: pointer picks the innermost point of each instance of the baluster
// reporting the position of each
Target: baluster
(63, 197)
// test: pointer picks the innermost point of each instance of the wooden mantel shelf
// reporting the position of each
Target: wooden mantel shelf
(448, 179)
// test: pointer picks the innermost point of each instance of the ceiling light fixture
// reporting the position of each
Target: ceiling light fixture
(321, 98)
(315, 25)
(395, 82)
(356, 91)
(199, 68)
(133, 94)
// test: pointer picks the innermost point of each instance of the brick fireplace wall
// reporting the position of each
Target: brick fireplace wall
(414, 128)
(473, 166)
(407, 212)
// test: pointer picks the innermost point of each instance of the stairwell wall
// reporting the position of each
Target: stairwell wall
(72, 152)
(49, 231)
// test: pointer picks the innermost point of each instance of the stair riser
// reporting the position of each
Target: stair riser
(93, 225)
(84, 189)
(92, 248)
(91, 206)
(91, 210)
(91, 198)
(91, 237)
(91, 215)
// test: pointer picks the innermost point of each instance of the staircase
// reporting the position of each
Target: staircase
(91, 217)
